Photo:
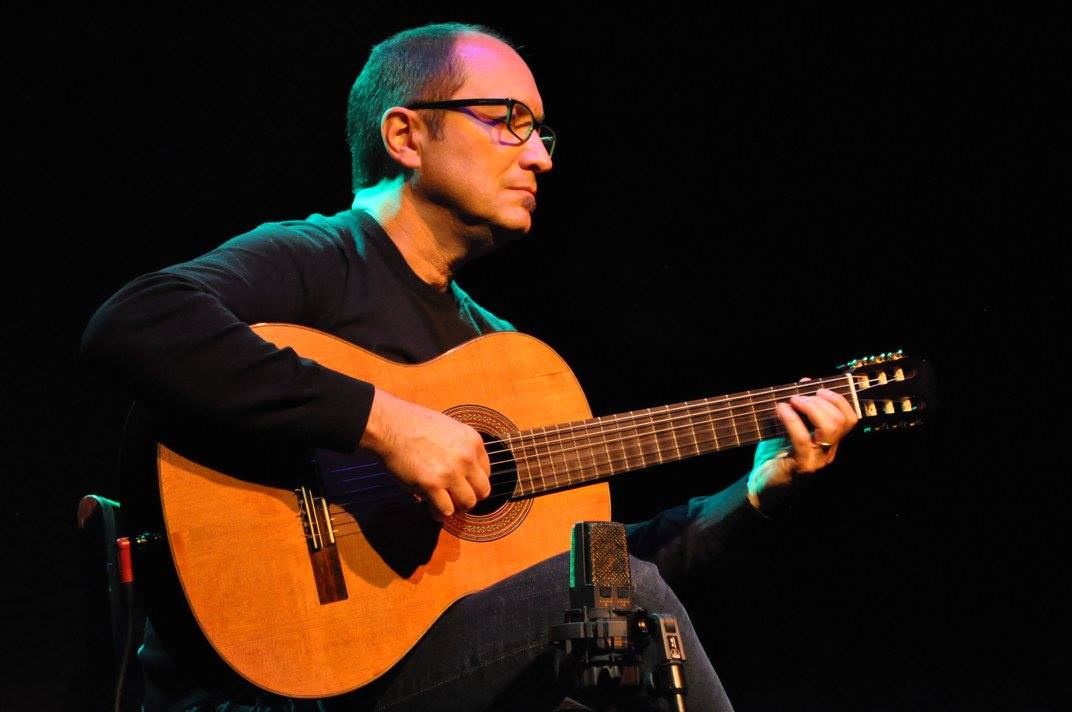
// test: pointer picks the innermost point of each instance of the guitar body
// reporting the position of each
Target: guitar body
(318, 583)
(306, 612)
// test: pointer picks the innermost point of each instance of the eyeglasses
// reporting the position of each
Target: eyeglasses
(519, 118)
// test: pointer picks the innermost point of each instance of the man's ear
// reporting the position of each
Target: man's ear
(402, 131)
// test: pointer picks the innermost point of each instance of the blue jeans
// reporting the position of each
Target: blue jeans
(489, 651)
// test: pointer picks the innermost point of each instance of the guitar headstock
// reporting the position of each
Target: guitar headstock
(893, 389)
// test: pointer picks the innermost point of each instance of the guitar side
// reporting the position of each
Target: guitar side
(243, 558)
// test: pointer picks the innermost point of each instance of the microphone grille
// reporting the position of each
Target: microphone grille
(608, 556)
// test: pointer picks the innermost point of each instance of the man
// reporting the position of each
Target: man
(447, 142)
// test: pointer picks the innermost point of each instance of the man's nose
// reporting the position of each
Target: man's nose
(535, 155)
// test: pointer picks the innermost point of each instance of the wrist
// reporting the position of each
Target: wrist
(753, 493)
(771, 485)
(376, 428)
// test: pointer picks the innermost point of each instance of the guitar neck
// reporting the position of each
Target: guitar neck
(555, 457)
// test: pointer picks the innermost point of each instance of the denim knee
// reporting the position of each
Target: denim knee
(651, 590)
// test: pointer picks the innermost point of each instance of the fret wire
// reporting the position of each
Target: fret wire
(689, 432)
(590, 452)
(630, 437)
(575, 451)
(714, 430)
(590, 446)
(733, 422)
(606, 447)
(616, 441)
(673, 436)
(638, 421)
(564, 452)
(654, 436)
(546, 457)
(529, 463)
(634, 438)
(534, 460)
(752, 409)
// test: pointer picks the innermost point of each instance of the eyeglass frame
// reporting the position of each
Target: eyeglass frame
(508, 103)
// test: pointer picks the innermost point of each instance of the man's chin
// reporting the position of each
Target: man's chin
(516, 223)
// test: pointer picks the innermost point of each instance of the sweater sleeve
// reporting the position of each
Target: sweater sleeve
(179, 339)
(686, 540)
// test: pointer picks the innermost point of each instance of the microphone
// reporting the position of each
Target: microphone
(600, 576)
(600, 654)
(609, 647)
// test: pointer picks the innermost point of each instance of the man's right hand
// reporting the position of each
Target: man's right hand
(432, 454)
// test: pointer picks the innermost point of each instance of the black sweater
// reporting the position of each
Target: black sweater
(178, 338)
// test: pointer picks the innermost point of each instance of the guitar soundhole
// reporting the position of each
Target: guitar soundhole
(496, 516)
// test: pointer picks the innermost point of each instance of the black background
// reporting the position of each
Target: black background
(739, 198)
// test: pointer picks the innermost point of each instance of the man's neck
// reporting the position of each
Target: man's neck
(431, 244)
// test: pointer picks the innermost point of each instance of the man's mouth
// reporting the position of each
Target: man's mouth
(528, 199)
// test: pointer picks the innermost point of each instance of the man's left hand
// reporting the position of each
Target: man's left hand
(779, 462)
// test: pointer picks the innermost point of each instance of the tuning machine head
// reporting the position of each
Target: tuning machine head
(892, 389)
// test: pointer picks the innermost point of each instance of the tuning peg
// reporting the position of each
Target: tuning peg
(872, 359)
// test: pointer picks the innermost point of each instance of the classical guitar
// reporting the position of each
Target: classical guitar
(321, 583)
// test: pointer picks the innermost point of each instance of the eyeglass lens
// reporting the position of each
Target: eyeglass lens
(522, 122)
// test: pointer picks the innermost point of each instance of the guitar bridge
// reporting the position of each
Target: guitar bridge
(323, 554)
(315, 519)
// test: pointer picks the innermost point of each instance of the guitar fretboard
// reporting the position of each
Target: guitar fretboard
(559, 456)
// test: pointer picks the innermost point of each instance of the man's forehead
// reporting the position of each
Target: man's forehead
(493, 69)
